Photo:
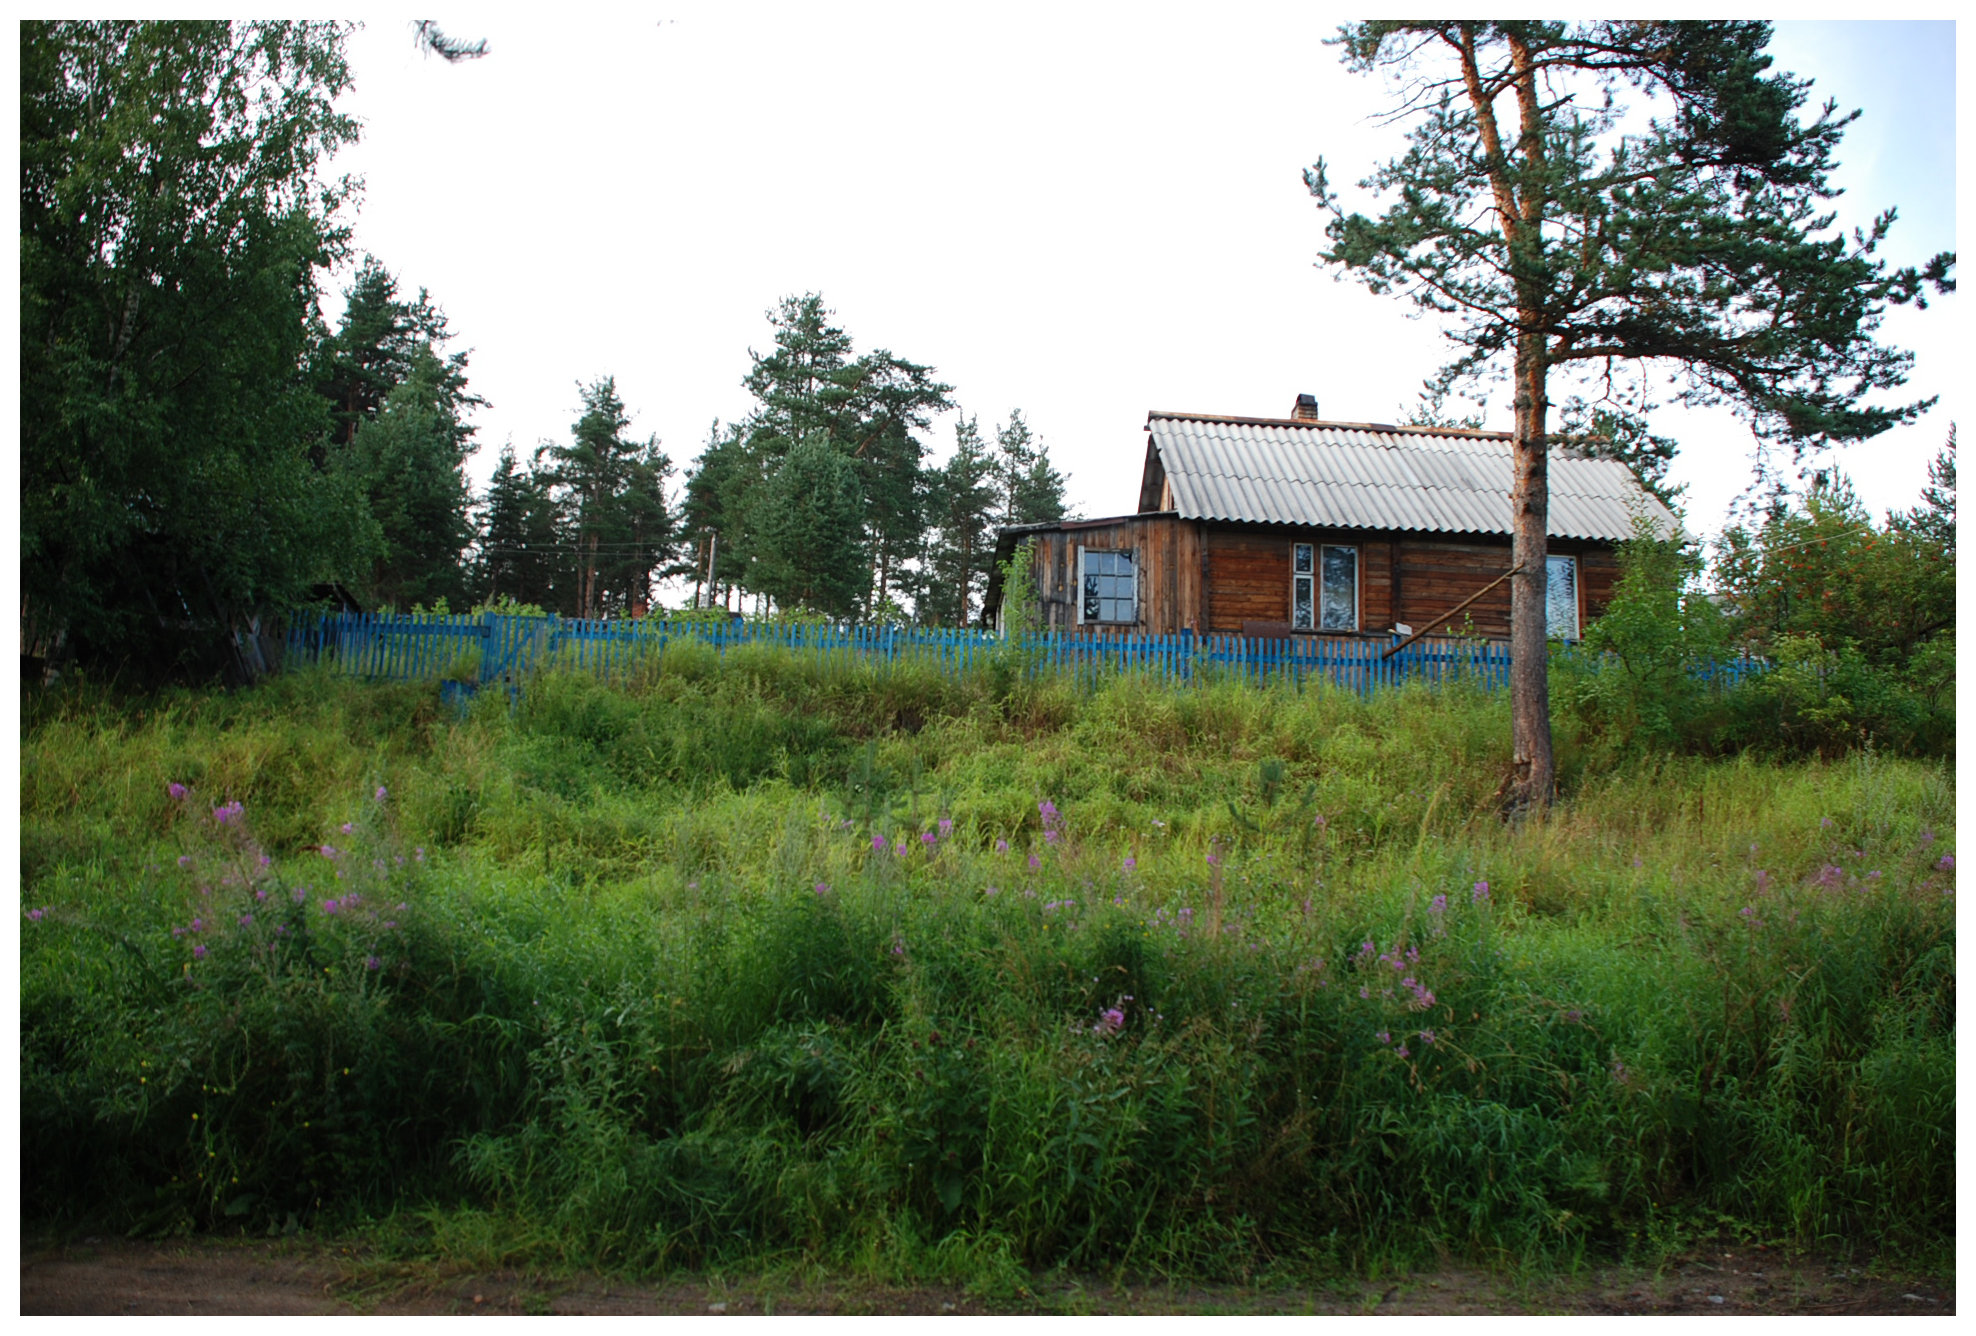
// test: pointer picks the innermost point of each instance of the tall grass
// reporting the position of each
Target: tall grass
(886, 969)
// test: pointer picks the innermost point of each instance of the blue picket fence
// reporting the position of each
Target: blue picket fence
(479, 650)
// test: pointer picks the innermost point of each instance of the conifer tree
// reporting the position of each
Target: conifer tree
(612, 493)
(519, 550)
(1032, 489)
(961, 500)
(810, 549)
(409, 461)
(1557, 236)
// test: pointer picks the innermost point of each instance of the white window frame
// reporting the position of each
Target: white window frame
(1551, 632)
(1078, 599)
(1309, 578)
(1318, 607)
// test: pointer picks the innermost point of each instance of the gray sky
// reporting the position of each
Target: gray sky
(1083, 213)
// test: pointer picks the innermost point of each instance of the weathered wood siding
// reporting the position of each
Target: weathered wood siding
(1166, 559)
(1214, 579)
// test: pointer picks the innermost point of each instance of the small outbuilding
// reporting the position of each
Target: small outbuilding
(1298, 526)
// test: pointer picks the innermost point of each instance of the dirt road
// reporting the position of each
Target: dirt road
(202, 1276)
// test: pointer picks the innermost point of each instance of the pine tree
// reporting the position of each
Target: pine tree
(1556, 235)
(612, 491)
(519, 550)
(377, 345)
(1032, 489)
(811, 551)
(810, 387)
(712, 515)
(961, 501)
(410, 465)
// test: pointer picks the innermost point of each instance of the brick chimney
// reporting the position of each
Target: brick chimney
(1306, 409)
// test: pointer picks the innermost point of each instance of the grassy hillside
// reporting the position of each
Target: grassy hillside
(773, 957)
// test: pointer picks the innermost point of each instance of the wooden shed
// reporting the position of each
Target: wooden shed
(1287, 526)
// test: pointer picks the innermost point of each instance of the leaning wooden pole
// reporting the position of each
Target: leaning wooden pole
(1453, 612)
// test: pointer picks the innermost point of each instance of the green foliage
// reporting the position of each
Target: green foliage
(1032, 489)
(749, 957)
(520, 555)
(611, 494)
(1645, 679)
(1696, 238)
(810, 388)
(172, 228)
(960, 498)
(409, 462)
(1821, 568)
(809, 538)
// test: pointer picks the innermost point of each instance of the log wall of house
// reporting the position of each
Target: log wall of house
(1248, 574)
(1214, 579)
(1437, 574)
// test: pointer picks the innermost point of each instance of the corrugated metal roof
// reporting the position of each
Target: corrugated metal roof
(1355, 475)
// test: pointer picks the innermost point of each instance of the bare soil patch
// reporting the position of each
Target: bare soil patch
(229, 1277)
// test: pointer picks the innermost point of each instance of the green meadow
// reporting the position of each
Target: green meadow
(776, 957)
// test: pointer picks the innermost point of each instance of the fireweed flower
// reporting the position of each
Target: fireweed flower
(177, 791)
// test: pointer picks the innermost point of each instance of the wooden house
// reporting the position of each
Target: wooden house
(1289, 526)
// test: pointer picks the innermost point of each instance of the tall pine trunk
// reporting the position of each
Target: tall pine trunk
(1534, 773)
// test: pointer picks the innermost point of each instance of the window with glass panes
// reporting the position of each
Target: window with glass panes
(1107, 584)
(1561, 598)
(1323, 587)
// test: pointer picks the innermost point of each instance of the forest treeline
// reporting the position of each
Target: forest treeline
(203, 449)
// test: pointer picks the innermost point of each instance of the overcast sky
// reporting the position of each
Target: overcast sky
(1083, 213)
